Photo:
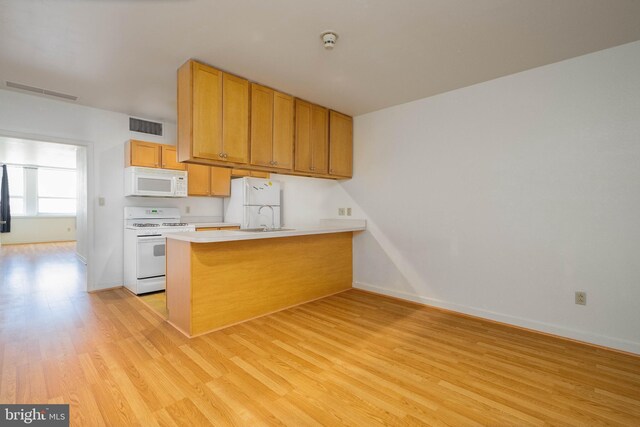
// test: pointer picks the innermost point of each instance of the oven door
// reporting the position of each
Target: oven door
(150, 260)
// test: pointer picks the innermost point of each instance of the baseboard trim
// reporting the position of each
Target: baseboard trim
(111, 288)
(595, 340)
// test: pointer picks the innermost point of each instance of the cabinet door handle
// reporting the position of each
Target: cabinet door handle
(221, 155)
(275, 163)
(224, 155)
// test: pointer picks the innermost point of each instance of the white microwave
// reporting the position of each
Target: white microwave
(152, 182)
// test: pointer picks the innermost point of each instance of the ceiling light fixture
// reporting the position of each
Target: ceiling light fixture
(329, 39)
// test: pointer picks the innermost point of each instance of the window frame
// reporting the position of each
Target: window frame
(38, 197)
(30, 193)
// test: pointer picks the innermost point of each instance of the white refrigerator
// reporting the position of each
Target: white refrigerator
(254, 203)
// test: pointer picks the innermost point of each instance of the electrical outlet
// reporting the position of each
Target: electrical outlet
(348, 211)
(100, 201)
(581, 298)
(341, 211)
(187, 209)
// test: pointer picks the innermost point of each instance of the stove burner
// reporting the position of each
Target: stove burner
(174, 224)
(145, 224)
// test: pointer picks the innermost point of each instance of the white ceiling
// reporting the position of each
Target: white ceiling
(122, 55)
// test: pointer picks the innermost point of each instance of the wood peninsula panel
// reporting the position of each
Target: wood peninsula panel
(235, 281)
(178, 289)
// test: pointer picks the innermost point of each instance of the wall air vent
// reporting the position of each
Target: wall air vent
(144, 126)
(41, 91)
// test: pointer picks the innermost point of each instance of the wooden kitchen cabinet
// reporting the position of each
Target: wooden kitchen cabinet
(151, 155)
(213, 115)
(224, 120)
(199, 179)
(208, 181)
(340, 145)
(311, 138)
(235, 119)
(142, 153)
(260, 174)
(220, 182)
(239, 173)
(272, 128)
(169, 158)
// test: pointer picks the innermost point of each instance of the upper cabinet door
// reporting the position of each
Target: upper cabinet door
(282, 131)
(199, 180)
(235, 119)
(303, 136)
(207, 112)
(170, 159)
(261, 125)
(142, 153)
(220, 182)
(340, 145)
(320, 139)
(226, 121)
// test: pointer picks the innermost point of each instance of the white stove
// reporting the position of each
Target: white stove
(148, 228)
(145, 246)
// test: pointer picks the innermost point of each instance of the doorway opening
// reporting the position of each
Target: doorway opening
(46, 248)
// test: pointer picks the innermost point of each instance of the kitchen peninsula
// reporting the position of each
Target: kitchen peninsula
(219, 278)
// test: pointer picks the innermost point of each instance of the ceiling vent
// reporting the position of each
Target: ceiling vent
(41, 91)
(144, 126)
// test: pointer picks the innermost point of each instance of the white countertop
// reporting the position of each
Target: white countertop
(207, 221)
(215, 224)
(325, 227)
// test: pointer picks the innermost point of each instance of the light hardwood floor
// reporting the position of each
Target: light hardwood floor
(157, 301)
(350, 359)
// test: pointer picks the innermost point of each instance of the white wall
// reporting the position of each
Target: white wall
(498, 200)
(306, 200)
(504, 198)
(40, 230)
(105, 133)
(82, 227)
